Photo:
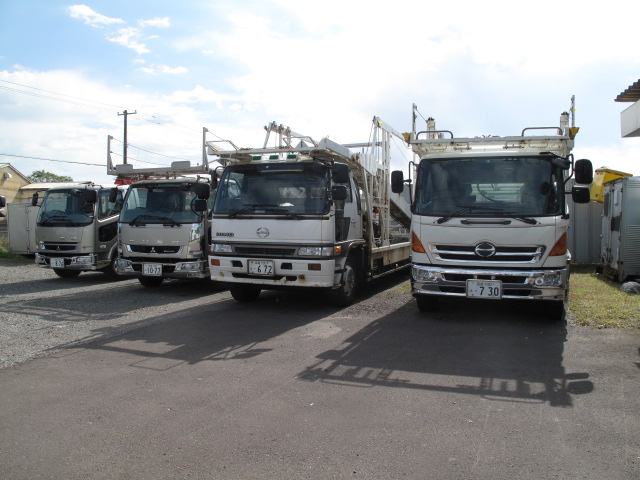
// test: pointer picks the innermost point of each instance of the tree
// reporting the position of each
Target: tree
(42, 176)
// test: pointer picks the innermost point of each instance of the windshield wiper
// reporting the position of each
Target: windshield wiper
(528, 220)
(165, 220)
(466, 209)
(54, 217)
(242, 210)
(470, 208)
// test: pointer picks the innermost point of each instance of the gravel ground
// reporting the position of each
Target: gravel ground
(40, 312)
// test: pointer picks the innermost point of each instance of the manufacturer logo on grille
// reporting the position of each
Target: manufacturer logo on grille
(262, 232)
(485, 250)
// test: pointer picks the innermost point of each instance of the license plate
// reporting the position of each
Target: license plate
(57, 263)
(484, 288)
(152, 269)
(261, 267)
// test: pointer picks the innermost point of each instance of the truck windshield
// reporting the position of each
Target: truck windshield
(63, 208)
(272, 189)
(159, 203)
(489, 187)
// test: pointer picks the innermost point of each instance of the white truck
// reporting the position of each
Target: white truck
(489, 215)
(164, 226)
(76, 229)
(306, 215)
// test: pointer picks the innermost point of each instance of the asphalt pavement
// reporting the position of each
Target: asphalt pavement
(289, 387)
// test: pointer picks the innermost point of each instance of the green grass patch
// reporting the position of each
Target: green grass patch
(598, 302)
(5, 254)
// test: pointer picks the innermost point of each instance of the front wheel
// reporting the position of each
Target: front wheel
(66, 273)
(110, 270)
(150, 281)
(244, 293)
(346, 293)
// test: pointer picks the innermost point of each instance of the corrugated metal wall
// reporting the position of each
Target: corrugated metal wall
(585, 230)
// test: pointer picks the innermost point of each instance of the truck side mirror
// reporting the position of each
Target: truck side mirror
(113, 195)
(339, 192)
(580, 194)
(3, 203)
(87, 208)
(340, 173)
(203, 191)
(200, 205)
(584, 172)
(34, 200)
(397, 181)
(91, 196)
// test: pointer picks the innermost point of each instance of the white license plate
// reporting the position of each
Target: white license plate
(484, 288)
(261, 267)
(152, 269)
(57, 263)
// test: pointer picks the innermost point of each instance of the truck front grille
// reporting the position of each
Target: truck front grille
(61, 246)
(503, 254)
(265, 251)
(153, 249)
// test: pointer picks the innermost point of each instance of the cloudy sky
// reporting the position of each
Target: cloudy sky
(69, 70)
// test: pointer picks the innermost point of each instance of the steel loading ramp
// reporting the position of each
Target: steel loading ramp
(400, 209)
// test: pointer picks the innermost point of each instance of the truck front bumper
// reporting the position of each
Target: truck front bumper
(179, 269)
(516, 284)
(287, 272)
(82, 262)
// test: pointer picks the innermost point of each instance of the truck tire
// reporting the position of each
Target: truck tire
(427, 303)
(110, 271)
(344, 296)
(66, 273)
(244, 293)
(553, 309)
(151, 281)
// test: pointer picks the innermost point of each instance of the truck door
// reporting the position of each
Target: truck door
(352, 218)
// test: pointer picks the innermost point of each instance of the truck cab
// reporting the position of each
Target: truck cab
(76, 229)
(303, 215)
(489, 216)
(163, 230)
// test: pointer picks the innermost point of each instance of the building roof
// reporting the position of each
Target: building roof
(631, 94)
(47, 186)
(18, 172)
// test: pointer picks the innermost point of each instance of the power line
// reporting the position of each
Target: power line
(38, 95)
(50, 159)
(183, 129)
(54, 93)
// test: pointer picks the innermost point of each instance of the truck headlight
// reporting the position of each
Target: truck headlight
(88, 260)
(221, 248)
(315, 251)
(423, 275)
(551, 279)
(189, 266)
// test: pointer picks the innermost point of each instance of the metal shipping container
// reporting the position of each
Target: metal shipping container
(21, 219)
(620, 247)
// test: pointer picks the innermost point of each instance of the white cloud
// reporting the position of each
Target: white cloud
(91, 17)
(166, 125)
(198, 95)
(128, 37)
(158, 69)
(157, 22)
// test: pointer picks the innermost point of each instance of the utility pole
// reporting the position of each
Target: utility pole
(124, 145)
